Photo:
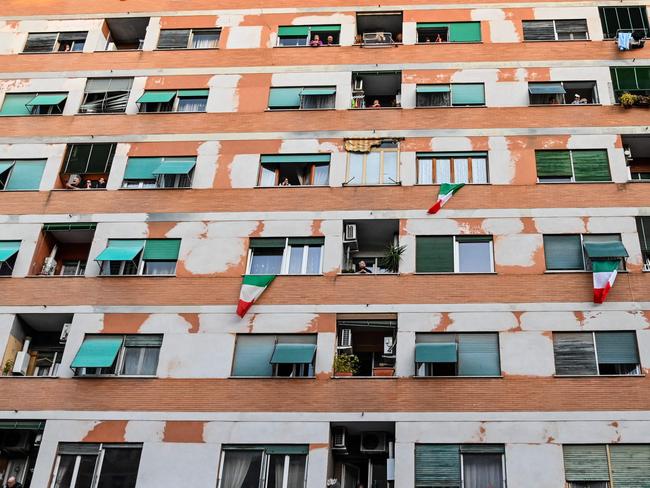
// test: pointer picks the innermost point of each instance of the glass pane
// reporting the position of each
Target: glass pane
(443, 171)
(276, 471)
(78, 158)
(150, 363)
(120, 468)
(355, 171)
(99, 158)
(86, 471)
(267, 178)
(425, 171)
(141, 360)
(321, 174)
(390, 168)
(205, 40)
(241, 469)
(267, 261)
(297, 471)
(313, 259)
(295, 259)
(186, 104)
(159, 267)
(64, 473)
(474, 257)
(482, 470)
(461, 173)
(373, 164)
(479, 170)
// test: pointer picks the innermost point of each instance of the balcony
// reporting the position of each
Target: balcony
(379, 29)
(63, 249)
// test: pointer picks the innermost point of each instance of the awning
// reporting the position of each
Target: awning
(546, 89)
(435, 352)
(5, 166)
(121, 250)
(432, 89)
(293, 30)
(70, 226)
(47, 99)
(295, 158)
(193, 93)
(604, 250)
(8, 249)
(325, 28)
(318, 91)
(174, 168)
(293, 353)
(97, 352)
(156, 97)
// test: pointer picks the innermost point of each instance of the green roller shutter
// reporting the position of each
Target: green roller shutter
(467, 94)
(175, 167)
(22, 425)
(437, 466)
(8, 249)
(318, 91)
(553, 164)
(600, 250)
(482, 449)
(574, 353)
(295, 158)
(617, 348)
(293, 30)
(432, 89)
(306, 241)
(293, 353)
(325, 28)
(432, 25)
(585, 462)
(563, 252)
(478, 355)
(465, 32)
(97, 352)
(434, 254)
(26, 175)
(121, 250)
(591, 165)
(156, 97)
(432, 352)
(143, 340)
(141, 168)
(193, 93)
(253, 355)
(284, 97)
(162, 249)
(267, 242)
(630, 465)
(287, 449)
(52, 99)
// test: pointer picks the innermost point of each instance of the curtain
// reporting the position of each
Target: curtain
(321, 174)
(278, 463)
(443, 171)
(425, 171)
(204, 41)
(482, 471)
(390, 168)
(479, 170)
(296, 471)
(317, 101)
(192, 104)
(236, 466)
(461, 173)
(64, 474)
(373, 165)
(268, 177)
(355, 170)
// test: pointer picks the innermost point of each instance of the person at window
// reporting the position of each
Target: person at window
(73, 182)
(89, 185)
(576, 99)
(584, 101)
(376, 104)
(552, 101)
(65, 48)
(12, 483)
(285, 182)
(438, 38)
(363, 268)
(330, 41)
(101, 182)
(316, 42)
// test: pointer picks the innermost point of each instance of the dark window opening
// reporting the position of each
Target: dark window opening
(126, 33)
(87, 166)
(372, 341)
(376, 90)
(379, 29)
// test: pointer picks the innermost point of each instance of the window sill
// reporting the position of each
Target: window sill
(368, 274)
(114, 376)
(641, 375)
(186, 49)
(31, 115)
(470, 273)
(75, 189)
(172, 112)
(335, 377)
(638, 181)
(157, 188)
(466, 184)
(299, 109)
(138, 276)
(366, 185)
(307, 45)
(452, 106)
(284, 275)
(103, 113)
(272, 377)
(556, 40)
(57, 52)
(577, 271)
(573, 182)
(55, 276)
(499, 377)
(374, 108)
(447, 42)
(565, 104)
(291, 186)
(30, 376)
(120, 51)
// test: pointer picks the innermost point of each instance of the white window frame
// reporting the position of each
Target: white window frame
(457, 256)
(286, 259)
(573, 171)
(557, 38)
(263, 478)
(57, 42)
(364, 166)
(584, 253)
(190, 40)
(637, 370)
(469, 159)
(462, 470)
(119, 364)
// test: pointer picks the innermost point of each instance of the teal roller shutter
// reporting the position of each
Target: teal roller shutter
(574, 353)
(266, 242)
(591, 165)
(467, 94)
(295, 158)
(546, 89)
(162, 249)
(563, 252)
(121, 250)
(431, 25)
(193, 93)
(156, 97)
(8, 249)
(306, 241)
(253, 355)
(175, 167)
(52, 99)
(141, 168)
(26, 175)
(585, 462)
(284, 97)
(97, 352)
(630, 465)
(325, 28)
(434, 254)
(482, 449)
(293, 30)
(600, 250)
(432, 89)
(432, 352)
(16, 104)
(318, 91)
(478, 355)
(465, 32)
(287, 449)
(143, 340)
(437, 466)
(293, 353)
(553, 163)
(617, 348)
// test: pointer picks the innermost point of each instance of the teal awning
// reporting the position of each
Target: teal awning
(546, 89)
(431, 25)
(97, 352)
(295, 158)
(604, 250)
(293, 30)
(8, 249)
(156, 97)
(432, 89)
(325, 28)
(5, 166)
(435, 352)
(121, 250)
(174, 168)
(141, 168)
(318, 91)
(293, 353)
(193, 93)
(47, 99)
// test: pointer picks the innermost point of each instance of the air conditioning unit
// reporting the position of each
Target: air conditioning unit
(346, 339)
(339, 435)
(358, 84)
(374, 442)
(65, 331)
(21, 363)
(350, 232)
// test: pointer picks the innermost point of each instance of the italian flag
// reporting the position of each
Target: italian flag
(251, 288)
(444, 194)
(604, 276)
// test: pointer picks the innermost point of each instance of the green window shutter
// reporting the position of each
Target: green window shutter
(26, 175)
(553, 163)
(436, 352)
(563, 252)
(437, 465)
(318, 91)
(630, 465)
(605, 250)
(478, 355)
(143, 340)
(284, 97)
(141, 168)
(8, 249)
(162, 249)
(97, 352)
(325, 28)
(293, 353)
(121, 250)
(574, 353)
(306, 241)
(267, 242)
(591, 165)
(15, 104)
(156, 96)
(482, 449)
(467, 94)
(434, 254)
(295, 158)
(465, 32)
(293, 30)
(585, 462)
(617, 348)
(253, 355)
(193, 93)
(179, 166)
(432, 89)
(51, 99)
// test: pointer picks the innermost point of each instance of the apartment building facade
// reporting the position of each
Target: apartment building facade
(158, 157)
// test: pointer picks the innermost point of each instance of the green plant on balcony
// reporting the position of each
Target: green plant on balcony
(630, 100)
(392, 257)
(346, 364)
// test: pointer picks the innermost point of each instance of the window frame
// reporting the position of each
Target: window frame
(304, 368)
(57, 42)
(604, 24)
(190, 39)
(555, 33)
(427, 368)
(173, 105)
(159, 181)
(585, 259)
(4, 183)
(263, 477)
(594, 92)
(452, 167)
(308, 38)
(117, 368)
(138, 262)
(451, 95)
(311, 169)
(556, 180)
(107, 166)
(50, 108)
(108, 93)
(286, 259)
(364, 166)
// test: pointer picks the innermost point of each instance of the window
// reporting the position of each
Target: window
(457, 354)
(294, 170)
(125, 33)
(599, 465)
(89, 161)
(96, 465)
(271, 466)
(21, 174)
(173, 101)
(312, 97)
(376, 89)
(116, 355)
(8, 253)
(106, 95)
(572, 166)
(309, 35)
(437, 168)
(460, 466)
(572, 252)
(379, 29)
(293, 255)
(626, 19)
(456, 95)
(55, 42)
(453, 254)
(643, 229)
(449, 32)
(33, 104)
(563, 93)
(189, 38)
(555, 30)
(165, 172)
(289, 355)
(380, 166)
(631, 80)
(63, 248)
(596, 353)
(139, 257)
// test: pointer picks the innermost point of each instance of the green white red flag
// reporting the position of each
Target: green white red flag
(444, 194)
(251, 288)
(604, 275)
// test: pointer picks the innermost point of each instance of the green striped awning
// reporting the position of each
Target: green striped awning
(8, 249)
(435, 352)
(162, 249)
(318, 91)
(156, 97)
(432, 89)
(295, 158)
(54, 99)
(175, 168)
(97, 352)
(293, 353)
(604, 250)
(121, 250)
(193, 93)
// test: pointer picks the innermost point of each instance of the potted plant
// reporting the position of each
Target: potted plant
(392, 257)
(345, 364)
(8, 366)
(383, 370)
(628, 100)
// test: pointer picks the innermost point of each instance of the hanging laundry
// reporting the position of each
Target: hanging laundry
(624, 39)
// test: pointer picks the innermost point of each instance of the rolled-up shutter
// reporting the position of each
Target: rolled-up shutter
(465, 32)
(437, 465)
(253, 355)
(482, 449)
(574, 353)
(293, 30)
(478, 355)
(174, 39)
(553, 164)
(585, 462)
(40, 43)
(591, 165)
(267, 242)
(434, 254)
(617, 348)
(78, 448)
(143, 340)
(467, 94)
(538, 30)
(630, 465)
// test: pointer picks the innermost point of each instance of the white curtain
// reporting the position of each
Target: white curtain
(443, 171)
(483, 471)
(321, 174)
(235, 468)
(479, 170)
(268, 177)
(278, 463)
(425, 171)
(204, 41)
(461, 173)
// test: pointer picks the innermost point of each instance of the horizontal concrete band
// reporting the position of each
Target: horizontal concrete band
(510, 394)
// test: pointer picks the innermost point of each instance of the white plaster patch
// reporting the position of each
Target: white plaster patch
(608, 225)
(224, 96)
(432, 227)
(503, 226)
(294, 228)
(549, 320)
(481, 322)
(244, 37)
(172, 464)
(229, 20)
(504, 172)
(243, 170)
(206, 164)
(451, 144)
(534, 466)
(137, 431)
(526, 353)
(614, 320)
(564, 225)
(517, 249)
